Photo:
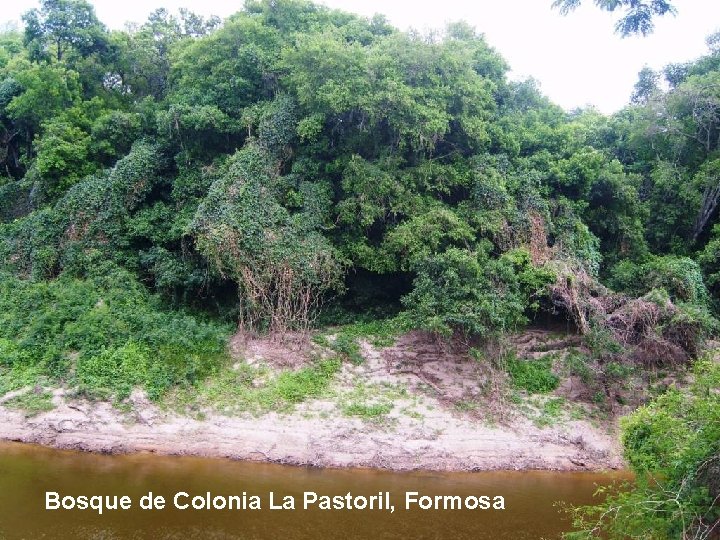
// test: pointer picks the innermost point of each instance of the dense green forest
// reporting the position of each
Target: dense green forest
(295, 166)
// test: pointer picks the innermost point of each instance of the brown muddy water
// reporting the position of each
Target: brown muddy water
(28, 472)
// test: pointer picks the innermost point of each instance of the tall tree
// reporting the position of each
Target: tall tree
(60, 25)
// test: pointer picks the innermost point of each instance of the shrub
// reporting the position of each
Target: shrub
(681, 277)
(105, 335)
(467, 292)
(673, 447)
(282, 270)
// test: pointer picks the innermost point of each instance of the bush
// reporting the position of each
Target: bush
(681, 277)
(282, 270)
(105, 335)
(673, 447)
(467, 292)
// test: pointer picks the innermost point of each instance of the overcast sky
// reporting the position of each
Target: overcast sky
(577, 59)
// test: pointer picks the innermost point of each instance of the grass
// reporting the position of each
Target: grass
(347, 346)
(380, 333)
(551, 411)
(255, 389)
(467, 406)
(534, 376)
(372, 401)
(32, 403)
(546, 410)
(367, 410)
(16, 377)
(577, 363)
(104, 335)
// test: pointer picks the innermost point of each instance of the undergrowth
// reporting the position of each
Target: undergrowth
(380, 333)
(102, 335)
(31, 403)
(535, 376)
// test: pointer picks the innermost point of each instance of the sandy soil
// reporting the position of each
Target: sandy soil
(424, 430)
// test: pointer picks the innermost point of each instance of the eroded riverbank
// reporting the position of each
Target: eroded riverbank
(441, 442)
(411, 406)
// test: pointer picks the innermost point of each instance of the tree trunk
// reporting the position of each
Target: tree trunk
(711, 197)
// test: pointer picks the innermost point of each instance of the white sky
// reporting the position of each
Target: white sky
(577, 59)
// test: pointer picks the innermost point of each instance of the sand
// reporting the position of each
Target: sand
(425, 429)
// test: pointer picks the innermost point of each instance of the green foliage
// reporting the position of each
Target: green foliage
(709, 260)
(62, 156)
(346, 346)
(46, 92)
(431, 232)
(296, 161)
(680, 277)
(380, 332)
(62, 25)
(244, 388)
(105, 335)
(461, 291)
(638, 17)
(535, 376)
(31, 403)
(296, 386)
(368, 411)
(281, 269)
(673, 446)
(574, 238)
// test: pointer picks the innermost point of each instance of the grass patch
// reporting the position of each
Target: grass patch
(297, 386)
(255, 389)
(19, 376)
(578, 364)
(545, 410)
(380, 332)
(534, 376)
(347, 346)
(371, 401)
(367, 410)
(467, 406)
(32, 403)
(552, 410)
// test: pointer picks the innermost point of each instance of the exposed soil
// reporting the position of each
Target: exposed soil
(433, 423)
(291, 350)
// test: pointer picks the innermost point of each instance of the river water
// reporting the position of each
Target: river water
(28, 472)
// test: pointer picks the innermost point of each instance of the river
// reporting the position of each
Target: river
(27, 472)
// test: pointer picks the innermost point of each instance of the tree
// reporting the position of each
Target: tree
(639, 14)
(282, 269)
(466, 293)
(60, 25)
(646, 87)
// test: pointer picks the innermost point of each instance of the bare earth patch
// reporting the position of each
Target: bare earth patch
(397, 410)
(289, 351)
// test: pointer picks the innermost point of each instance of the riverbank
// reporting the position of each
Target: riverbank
(439, 441)
(410, 406)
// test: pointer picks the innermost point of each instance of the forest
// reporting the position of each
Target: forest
(296, 167)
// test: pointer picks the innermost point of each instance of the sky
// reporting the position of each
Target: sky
(577, 59)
